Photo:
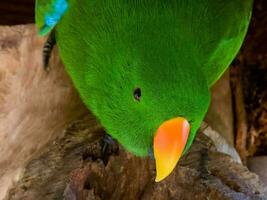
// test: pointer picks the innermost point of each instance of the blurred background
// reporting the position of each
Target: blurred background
(16, 12)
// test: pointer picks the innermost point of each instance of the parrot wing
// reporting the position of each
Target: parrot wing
(221, 27)
(48, 13)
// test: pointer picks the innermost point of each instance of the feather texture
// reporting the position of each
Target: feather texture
(173, 50)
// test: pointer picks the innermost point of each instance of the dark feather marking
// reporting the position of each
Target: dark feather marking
(47, 49)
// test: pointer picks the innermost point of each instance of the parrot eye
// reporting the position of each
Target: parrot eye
(137, 94)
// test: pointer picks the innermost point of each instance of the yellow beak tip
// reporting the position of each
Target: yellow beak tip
(158, 179)
(164, 171)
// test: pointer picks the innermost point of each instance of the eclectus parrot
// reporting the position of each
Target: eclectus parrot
(145, 67)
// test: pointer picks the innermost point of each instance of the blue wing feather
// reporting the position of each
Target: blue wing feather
(53, 15)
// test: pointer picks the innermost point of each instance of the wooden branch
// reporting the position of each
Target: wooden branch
(72, 167)
(35, 107)
(240, 112)
(46, 129)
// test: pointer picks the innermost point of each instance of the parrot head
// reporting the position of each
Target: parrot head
(149, 100)
(146, 87)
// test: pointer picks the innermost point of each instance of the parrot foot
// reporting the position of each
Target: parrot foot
(108, 147)
(47, 49)
(101, 150)
(203, 165)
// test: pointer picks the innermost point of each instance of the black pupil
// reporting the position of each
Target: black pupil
(137, 94)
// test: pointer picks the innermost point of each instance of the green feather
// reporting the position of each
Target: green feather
(224, 24)
(174, 50)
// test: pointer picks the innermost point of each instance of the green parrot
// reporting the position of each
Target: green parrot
(145, 67)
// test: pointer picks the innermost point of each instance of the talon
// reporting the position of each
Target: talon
(47, 50)
(108, 147)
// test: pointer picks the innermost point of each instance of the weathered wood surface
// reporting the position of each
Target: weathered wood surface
(45, 127)
(221, 109)
(72, 168)
(35, 107)
(251, 69)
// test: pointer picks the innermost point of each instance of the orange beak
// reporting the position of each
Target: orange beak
(169, 143)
